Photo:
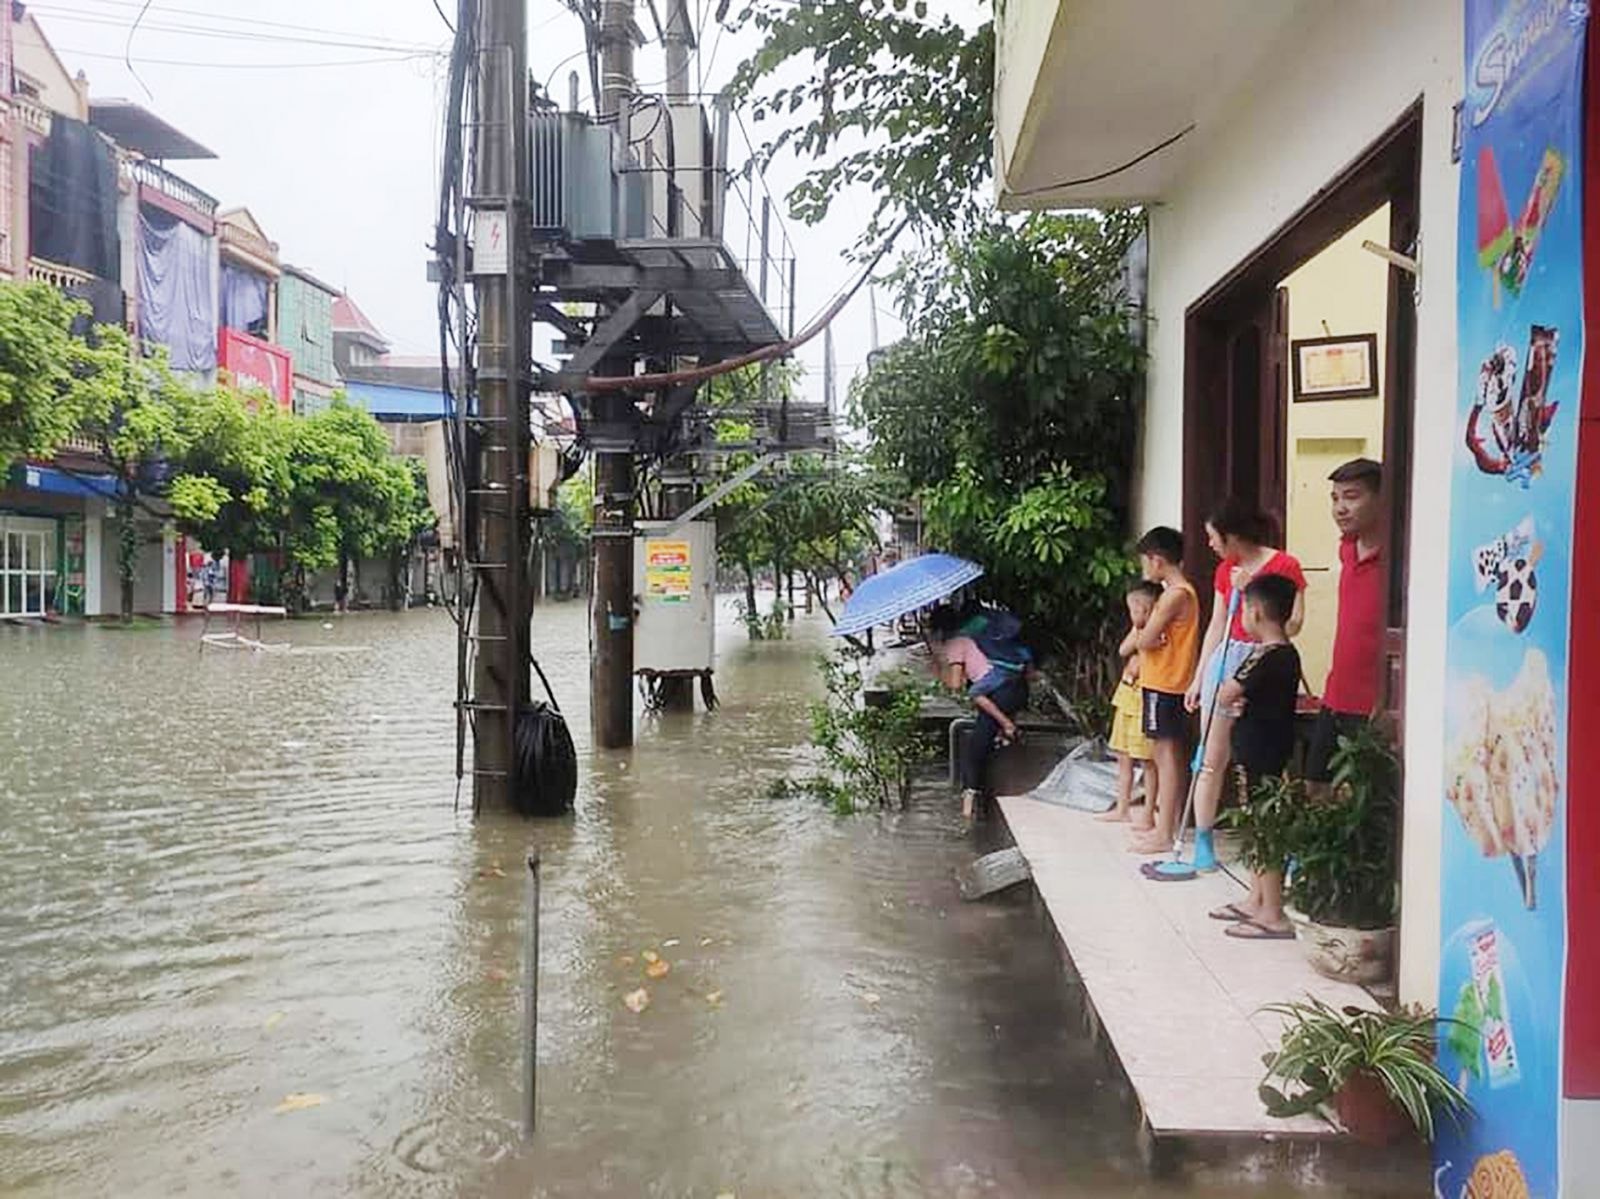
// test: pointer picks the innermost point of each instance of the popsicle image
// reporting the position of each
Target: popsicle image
(1541, 199)
(1494, 220)
(1488, 980)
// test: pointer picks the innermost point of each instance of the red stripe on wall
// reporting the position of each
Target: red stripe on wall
(1582, 1058)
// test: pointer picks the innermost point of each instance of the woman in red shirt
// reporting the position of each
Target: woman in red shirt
(1240, 534)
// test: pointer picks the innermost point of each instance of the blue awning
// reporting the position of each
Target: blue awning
(54, 481)
(388, 401)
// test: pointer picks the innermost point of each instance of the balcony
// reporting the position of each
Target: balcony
(158, 179)
(64, 278)
(250, 247)
(32, 116)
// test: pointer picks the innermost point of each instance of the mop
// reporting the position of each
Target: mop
(1176, 870)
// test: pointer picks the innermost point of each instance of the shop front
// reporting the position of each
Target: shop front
(1366, 241)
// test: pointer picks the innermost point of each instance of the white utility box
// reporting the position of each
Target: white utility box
(675, 580)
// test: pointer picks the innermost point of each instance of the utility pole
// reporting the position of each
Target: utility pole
(677, 694)
(611, 666)
(677, 39)
(498, 495)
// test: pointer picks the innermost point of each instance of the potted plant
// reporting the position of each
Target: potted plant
(1376, 1070)
(1342, 849)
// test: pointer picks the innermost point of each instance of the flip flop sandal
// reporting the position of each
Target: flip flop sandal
(1249, 930)
(1232, 913)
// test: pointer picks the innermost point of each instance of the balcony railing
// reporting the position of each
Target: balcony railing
(32, 116)
(145, 172)
(248, 243)
(42, 271)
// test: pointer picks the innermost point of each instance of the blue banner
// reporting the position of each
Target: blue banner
(1515, 441)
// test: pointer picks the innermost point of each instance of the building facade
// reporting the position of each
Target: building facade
(1274, 146)
(305, 329)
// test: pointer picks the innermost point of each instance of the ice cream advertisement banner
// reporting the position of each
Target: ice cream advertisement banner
(1514, 444)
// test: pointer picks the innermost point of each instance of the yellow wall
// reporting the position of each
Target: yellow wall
(1346, 287)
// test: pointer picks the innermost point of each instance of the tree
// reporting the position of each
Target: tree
(1010, 408)
(46, 383)
(138, 416)
(230, 494)
(346, 496)
(867, 68)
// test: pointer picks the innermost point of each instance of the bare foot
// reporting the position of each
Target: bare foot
(1137, 826)
(1149, 843)
(1114, 816)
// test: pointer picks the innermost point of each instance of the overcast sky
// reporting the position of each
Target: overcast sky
(334, 147)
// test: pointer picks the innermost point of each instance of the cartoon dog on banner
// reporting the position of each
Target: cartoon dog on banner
(1519, 423)
(1507, 563)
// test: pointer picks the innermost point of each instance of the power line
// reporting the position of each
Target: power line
(256, 66)
(127, 49)
(237, 35)
(223, 18)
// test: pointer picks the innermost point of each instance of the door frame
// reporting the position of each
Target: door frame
(1388, 171)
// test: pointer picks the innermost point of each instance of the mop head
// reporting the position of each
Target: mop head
(1179, 871)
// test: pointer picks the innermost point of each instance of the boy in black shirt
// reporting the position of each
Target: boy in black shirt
(1261, 696)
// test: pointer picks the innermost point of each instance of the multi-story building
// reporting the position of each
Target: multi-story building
(305, 329)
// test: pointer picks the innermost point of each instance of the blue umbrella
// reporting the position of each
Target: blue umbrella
(912, 584)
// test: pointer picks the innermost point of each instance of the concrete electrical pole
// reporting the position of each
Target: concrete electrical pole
(499, 492)
(611, 664)
(677, 694)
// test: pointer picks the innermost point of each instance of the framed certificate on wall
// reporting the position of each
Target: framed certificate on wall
(1335, 368)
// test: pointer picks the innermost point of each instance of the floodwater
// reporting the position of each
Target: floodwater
(248, 946)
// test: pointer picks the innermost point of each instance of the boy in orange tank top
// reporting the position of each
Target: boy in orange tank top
(1168, 646)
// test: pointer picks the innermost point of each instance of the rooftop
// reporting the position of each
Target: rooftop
(134, 127)
(348, 318)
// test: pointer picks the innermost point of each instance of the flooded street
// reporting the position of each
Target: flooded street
(230, 880)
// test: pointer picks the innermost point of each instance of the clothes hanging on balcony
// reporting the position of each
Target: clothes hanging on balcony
(244, 300)
(176, 307)
(72, 200)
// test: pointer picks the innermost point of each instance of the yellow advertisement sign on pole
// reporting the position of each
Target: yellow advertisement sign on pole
(668, 568)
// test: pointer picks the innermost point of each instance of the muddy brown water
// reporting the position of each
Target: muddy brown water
(229, 880)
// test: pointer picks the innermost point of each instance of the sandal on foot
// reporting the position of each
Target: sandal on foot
(1232, 913)
(1249, 930)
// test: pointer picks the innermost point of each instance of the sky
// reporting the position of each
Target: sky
(325, 116)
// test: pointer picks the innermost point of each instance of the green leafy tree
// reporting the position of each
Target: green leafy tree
(347, 496)
(1010, 409)
(47, 384)
(139, 418)
(230, 495)
(842, 74)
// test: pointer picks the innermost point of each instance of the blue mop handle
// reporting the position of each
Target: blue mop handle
(1226, 647)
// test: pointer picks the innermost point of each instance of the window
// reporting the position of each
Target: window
(27, 566)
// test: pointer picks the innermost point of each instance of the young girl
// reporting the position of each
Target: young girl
(1128, 741)
(1240, 534)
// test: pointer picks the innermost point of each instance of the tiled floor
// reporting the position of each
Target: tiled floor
(1178, 1000)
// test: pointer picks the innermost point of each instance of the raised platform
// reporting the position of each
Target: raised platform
(1178, 1001)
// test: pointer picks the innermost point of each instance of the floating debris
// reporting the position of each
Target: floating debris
(650, 955)
(298, 1101)
(659, 968)
(273, 1021)
(714, 998)
(636, 1001)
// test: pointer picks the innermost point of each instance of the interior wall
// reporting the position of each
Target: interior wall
(1343, 291)
(1343, 75)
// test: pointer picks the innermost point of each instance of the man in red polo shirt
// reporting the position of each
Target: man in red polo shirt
(1351, 694)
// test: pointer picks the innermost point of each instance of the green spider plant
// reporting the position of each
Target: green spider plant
(1323, 1047)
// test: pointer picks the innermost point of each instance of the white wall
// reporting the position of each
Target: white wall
(1580, 1145)
(1343, 74)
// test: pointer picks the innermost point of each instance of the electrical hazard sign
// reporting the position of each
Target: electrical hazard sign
(491, 251)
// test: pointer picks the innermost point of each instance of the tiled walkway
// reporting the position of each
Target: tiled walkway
(1178, 1000)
